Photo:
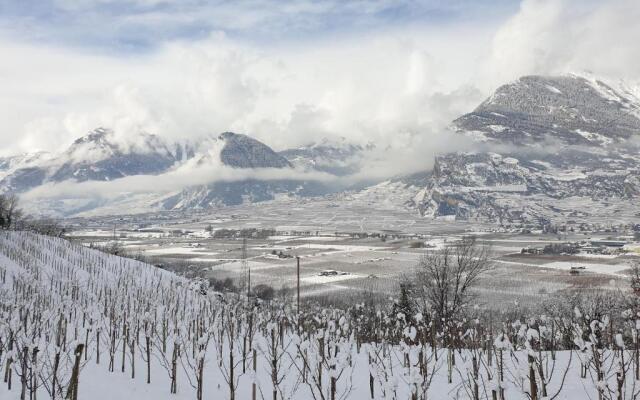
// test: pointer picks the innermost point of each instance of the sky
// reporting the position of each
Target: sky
(393, 73)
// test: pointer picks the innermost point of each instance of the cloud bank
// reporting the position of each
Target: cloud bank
(171, 181)
(394, 82)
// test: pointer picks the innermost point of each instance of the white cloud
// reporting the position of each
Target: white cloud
(561, 36)
(398, 87)
(366, 89)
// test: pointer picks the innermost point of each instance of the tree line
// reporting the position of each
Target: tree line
(13, 217)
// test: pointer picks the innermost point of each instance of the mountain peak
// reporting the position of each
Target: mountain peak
(94, 146)
(569, 108)
(242, 151)
(228, 135)
(98, 135)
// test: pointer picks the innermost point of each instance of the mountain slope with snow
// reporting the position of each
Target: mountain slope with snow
(225, 164)
(338, 158)
(567, 109)
(540, 143)
(98, 156)
(544, 141)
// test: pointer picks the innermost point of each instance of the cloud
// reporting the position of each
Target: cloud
(171, 181)
(396, 85)
(365, 89)
(562, 36)
(388, 79)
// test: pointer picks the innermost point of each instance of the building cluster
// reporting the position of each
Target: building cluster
(612, 246)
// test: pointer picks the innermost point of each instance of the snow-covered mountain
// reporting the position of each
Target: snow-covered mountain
(101, 156)
(243, 152)
(547, 143)
(568, 109)
(98, 156)
(546, 148)
(334, 157)
(240, 151)
(245, 191)
(337, 157)
(9, 165)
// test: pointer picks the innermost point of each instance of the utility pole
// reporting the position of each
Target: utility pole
(298, 281)
(245, 267)
(249, 284)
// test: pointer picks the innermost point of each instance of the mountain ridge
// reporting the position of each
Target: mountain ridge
(540, 141)
(550, 147)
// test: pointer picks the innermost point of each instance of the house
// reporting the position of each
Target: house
(531, 250)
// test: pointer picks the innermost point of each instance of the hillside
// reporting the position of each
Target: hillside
(101, 156)
(98, 156)
(569, 109)
(81, 324)
(549, 149)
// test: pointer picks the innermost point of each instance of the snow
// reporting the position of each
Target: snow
(497, 128)
(82, 284)
(340, 247)
(613, 91)
(606, 269)
(237, 265)
(553, 89)
(317, 279)
(109, 233)
(285, 238)
(181, 250)
(544, 164)
(477, 136)
(22, 161)
(594, 137)
(496, 188)
(599, 268)
(569, 175)
(322, 238)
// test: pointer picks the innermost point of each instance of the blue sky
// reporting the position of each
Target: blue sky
(142, 25)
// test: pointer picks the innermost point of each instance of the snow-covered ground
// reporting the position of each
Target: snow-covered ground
(599, 268)
(134, 323)
(330, 279)
(340, 247)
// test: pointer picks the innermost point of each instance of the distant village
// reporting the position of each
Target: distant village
(594, 247)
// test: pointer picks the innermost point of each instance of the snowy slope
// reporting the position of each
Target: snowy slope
(137, 329)
(102, 156)
(98, 156)
(542, 141)
(337, 157)
(565, 109)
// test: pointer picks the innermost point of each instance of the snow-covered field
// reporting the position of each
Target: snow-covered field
(142, 333)
(331, 279)
(186, 247)
(604, 269)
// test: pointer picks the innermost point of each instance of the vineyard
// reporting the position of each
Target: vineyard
(76, 323)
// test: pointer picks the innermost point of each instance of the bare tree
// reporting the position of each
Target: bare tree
(635, 279)
(9, 211)
(46, 226)
(444, 278)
